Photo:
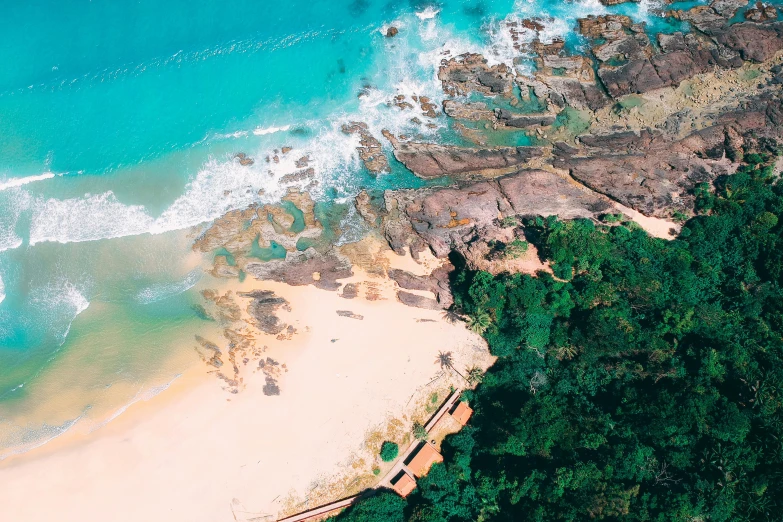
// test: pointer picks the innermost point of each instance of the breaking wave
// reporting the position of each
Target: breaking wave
(18, 182)
(161, 291)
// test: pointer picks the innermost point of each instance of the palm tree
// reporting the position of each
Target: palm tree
(479, 322)
(474, 375)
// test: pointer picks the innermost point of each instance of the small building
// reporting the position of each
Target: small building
(403, 484)
(462, 412)
(423, 459)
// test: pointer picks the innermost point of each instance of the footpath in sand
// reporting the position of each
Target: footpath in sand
(206, 450)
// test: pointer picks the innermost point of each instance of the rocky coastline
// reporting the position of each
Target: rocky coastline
(629, 129)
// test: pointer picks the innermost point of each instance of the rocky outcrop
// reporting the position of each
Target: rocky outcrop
(436, 283)
(654, 174)
(475, 111)
(263, 308)
(304, 268)
(470, 73)
(451, 218)
(523, 121)
(753, 42)
(370, 150)
(430, 160)
(762, 13)
(350, 315)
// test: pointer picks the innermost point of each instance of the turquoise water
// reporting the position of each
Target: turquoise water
(118, 126)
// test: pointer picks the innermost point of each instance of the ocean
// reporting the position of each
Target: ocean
(119, 122)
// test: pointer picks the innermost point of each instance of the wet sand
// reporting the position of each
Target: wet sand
(200, 453)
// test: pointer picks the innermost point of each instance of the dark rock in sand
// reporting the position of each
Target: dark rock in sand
(437, 283)
(304, 268)
(350, 291)
(417, 301)
(349, 314)
(270, 387)
(263, 307)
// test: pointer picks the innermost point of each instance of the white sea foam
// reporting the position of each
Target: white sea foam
(160, 291)
(28, 439)
(2, 290)
(261, 131)
(13, 202)
(222, 184)
(18, 182)
(141, 395)
(86, 219)
(59, 302)
(428, 13)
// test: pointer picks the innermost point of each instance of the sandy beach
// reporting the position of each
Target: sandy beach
(198, 452)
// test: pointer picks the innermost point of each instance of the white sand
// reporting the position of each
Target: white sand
(198, 453)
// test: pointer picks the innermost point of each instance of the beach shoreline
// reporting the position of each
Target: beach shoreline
(199, 451)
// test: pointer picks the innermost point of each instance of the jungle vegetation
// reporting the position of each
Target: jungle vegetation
(641, 381)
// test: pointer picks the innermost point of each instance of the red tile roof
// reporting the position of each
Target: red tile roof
(404, 485)
(424, 459)
(462, 413)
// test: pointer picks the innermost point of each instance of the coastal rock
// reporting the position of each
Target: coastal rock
(263, 308)
(475, 111)
(687, 57)
(304, 268)
(430, 160)
(523, 121)
(437, 283)
(370, 150)
(761, 13)
(470, 73)
(349, 314)
(452, 218)
(608, 27)
(754, 42)
(417, 301)
(244, 159)
(392, 31)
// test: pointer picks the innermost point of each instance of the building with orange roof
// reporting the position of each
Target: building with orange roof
(462, 413)
(403, 484)
(423, 459)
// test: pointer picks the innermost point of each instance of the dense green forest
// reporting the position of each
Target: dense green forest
(644, 381)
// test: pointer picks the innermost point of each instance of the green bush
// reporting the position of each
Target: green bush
(389, 451)
(419, 431)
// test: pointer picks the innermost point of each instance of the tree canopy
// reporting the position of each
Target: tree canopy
(643, 381)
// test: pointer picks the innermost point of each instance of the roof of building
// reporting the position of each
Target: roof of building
(424, 458)
(404, 485)
(462, 413)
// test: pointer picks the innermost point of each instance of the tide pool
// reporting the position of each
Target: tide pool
(119, 123)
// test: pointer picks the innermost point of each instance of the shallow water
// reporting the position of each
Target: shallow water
(118, 125)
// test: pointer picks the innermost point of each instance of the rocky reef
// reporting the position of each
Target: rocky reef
(630, 127)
